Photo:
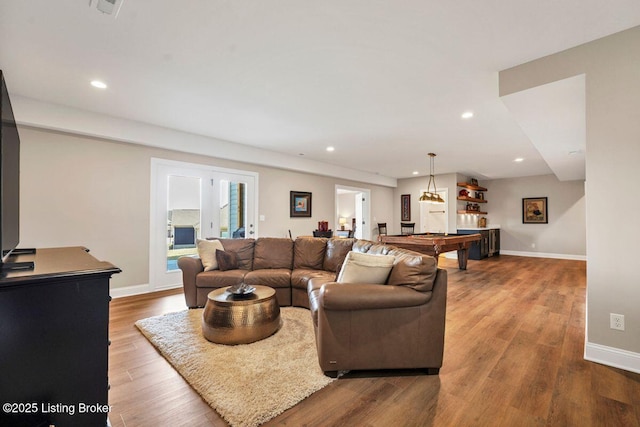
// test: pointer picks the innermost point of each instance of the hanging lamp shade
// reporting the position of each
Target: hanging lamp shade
(426, 197)
(430, 196)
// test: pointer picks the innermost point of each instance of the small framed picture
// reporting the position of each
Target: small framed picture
(299, 204)
(405, 207)
(534, 210)
(473, 181)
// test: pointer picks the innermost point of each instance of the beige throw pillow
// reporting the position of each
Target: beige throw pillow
(365, 268)
(207, 253)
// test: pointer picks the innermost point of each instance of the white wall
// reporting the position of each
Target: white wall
(83, 191)
(612, 67)
(563, 236)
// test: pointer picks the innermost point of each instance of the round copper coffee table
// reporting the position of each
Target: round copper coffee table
(232, 319)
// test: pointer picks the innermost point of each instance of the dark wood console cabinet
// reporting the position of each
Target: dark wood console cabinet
(488, 245)
(54, 325)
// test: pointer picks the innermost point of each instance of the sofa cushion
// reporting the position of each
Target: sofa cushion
(227, 260)
(379, 249)
(272, 277)
(309, 252)
(219, 279)
(207, 253)
(362, 245)
(365, 268)
(335, 253)
(413, 270)
(243, 248)
(300, 277)
(273, 252)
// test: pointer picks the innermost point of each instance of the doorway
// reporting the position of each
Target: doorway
(190, 202)
(353, 206)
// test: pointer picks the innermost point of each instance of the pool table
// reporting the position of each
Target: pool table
(435, 244)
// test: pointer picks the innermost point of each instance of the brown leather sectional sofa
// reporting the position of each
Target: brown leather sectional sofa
(359, 326)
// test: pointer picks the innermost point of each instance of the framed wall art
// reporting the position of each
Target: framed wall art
(299, 204)
(535, 210)
(405, 207)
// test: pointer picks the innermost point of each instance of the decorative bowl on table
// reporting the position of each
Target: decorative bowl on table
(241, 290)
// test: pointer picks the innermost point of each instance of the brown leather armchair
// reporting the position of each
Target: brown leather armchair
(366, 326)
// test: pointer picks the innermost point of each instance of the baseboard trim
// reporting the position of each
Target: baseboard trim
(611, 356)
(129, 291)
(544, 255)
(454, 255)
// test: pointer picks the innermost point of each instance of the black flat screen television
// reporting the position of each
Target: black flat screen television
(9, 176)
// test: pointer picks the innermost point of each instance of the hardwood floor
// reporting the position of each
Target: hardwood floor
(513, 357)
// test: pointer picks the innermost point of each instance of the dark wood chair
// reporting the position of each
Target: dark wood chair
(382, 228)
(352, 232)
(407, 227)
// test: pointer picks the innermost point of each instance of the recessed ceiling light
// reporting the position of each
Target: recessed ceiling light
(331, 148)
(467, 114)
(519, 159)
(99, 84)
(415, 172)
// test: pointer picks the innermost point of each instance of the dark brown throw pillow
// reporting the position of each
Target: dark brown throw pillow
(227, 260)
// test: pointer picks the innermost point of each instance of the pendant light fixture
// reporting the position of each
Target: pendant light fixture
(431, 196)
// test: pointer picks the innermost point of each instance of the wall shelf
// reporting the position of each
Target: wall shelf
(471, 199)
(479, 192)
(471, 186)
(464, 211)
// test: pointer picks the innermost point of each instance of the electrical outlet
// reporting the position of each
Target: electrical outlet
(616, 321)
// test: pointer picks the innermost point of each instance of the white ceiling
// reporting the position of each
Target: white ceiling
(384, 82)
(553, 116)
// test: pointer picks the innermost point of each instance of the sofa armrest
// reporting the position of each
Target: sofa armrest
(352, 296)
(356, 332)
(190, 267)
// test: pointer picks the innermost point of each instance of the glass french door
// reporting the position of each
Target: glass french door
(191, 202)
(231, 211)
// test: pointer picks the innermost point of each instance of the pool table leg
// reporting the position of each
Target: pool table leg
(463, 256)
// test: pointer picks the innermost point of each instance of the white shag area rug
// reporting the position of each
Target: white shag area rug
(246, 384)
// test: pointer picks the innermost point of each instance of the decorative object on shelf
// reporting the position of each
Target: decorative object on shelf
(342, 221)
(534, 210)
(299, 204)
(473, 181)
(431, 196)
(405, 207)
(479, 195)
(463, 193)
(482, 222)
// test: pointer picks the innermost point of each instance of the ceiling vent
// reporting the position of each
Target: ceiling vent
(109, 7)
